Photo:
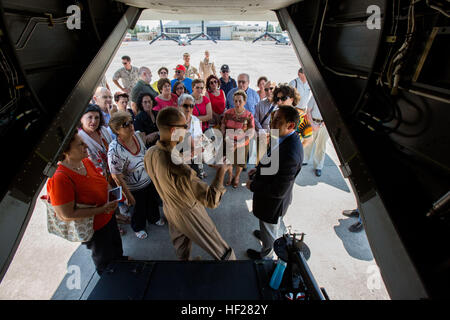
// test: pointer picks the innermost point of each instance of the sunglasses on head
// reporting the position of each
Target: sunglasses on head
(188, 106)
(267, 89)
(127, 124)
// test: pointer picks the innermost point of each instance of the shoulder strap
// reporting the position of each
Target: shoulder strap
(268, 113)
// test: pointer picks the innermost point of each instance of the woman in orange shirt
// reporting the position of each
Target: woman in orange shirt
(77, 180)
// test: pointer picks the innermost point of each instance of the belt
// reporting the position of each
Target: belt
(317, 120)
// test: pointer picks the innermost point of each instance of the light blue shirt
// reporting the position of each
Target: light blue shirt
(252, 99)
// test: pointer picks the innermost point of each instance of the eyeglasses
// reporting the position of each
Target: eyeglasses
(188, 106)
(269, 89)
(127, 124)
(225, 71)
(178, 71)
(213, 81)
(185, 126)
(276, 99)
(125, 63)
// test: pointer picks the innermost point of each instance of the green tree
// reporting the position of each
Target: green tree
(278, 29)
(270, 28)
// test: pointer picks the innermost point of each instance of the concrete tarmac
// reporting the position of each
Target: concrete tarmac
(45, 265)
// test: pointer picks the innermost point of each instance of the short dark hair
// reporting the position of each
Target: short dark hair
(119, 95)
(261, 79)
(168, 116)
(163, 68)
(126, 58)
(300, 70)
(209, 80)
(161, 83)
(66, 149)
(93, 108)
(176, 84)
(290, 114)
(289, 91)
(141, 97)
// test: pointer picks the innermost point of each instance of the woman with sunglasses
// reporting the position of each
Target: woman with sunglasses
(241, 121)
(263, 110)
(126, 162)
(202, 109)
(163, 73)
(186, 105)
(146, 119)
(285, 95)
(217, 99)
(179, 88)
(166, 98)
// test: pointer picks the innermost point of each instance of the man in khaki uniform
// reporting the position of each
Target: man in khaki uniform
(191, 71)
(184, 195)
(206, 67)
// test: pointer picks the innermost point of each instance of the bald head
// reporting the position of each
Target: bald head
(103, 98)
(145, 74)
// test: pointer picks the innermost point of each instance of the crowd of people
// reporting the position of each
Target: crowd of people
(126, 140)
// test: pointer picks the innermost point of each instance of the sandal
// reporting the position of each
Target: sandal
(160, 222)
(141, 234)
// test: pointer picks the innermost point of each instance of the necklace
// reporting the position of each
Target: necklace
(239, 113)
(73, 167)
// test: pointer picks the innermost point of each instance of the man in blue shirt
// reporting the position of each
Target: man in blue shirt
(180, 72)
(252, 95)
(226, 82)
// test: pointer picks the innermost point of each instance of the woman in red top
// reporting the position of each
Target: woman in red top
(238, 127)
(77, 180)
(218, 100)
(202, 109)
(166, 98)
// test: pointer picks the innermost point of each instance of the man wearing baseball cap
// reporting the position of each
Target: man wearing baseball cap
(180, 72)
(226, 82)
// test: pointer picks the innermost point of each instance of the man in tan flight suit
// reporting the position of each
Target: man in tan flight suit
(184, 195)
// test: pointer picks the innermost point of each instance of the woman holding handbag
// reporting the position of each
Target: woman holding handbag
(78, 181)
